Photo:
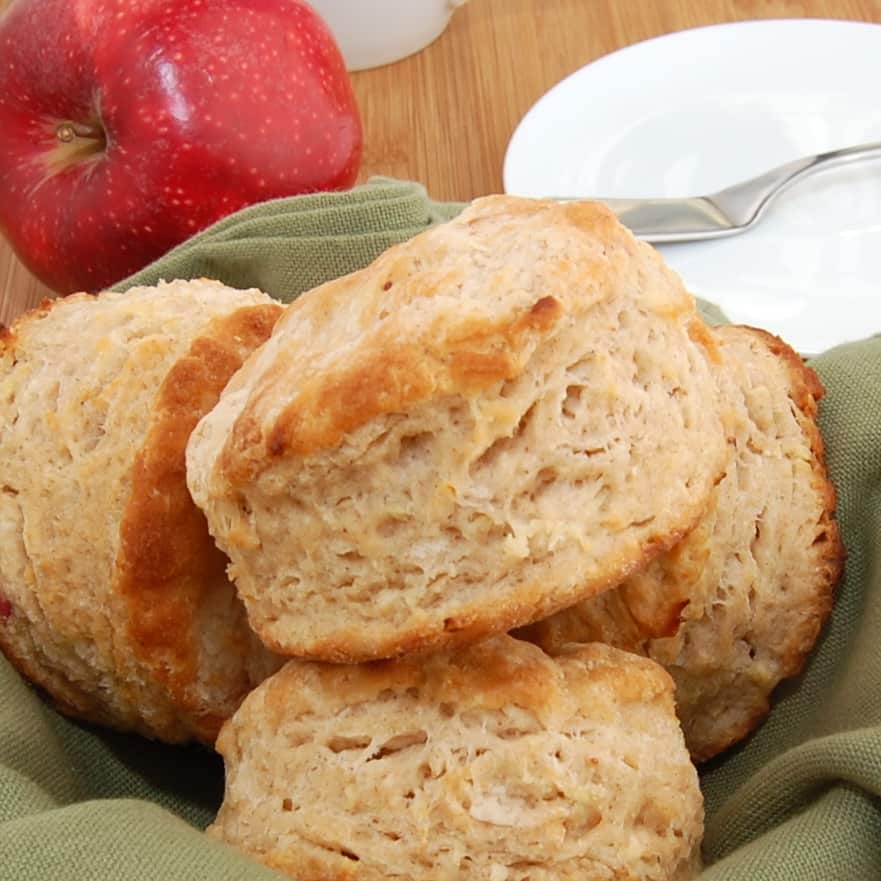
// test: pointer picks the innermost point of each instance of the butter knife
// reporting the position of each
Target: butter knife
(732, 210)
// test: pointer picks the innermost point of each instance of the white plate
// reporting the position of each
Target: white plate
(695, 111)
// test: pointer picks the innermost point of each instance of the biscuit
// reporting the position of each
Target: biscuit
(496, 762)
(502, 416)
(113, 597)
(737, 606)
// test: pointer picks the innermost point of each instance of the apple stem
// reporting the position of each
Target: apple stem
(74, 143)
(66, 132)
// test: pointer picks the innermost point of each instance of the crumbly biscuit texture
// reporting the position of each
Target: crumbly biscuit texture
(505, 415)
(493, 762)
(114, 598)
(737, 606)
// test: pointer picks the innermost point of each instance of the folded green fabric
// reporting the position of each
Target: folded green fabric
(800, 800)
(287, 246)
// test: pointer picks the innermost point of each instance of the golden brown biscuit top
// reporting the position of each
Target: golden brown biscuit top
(456, 309)
(490, 675)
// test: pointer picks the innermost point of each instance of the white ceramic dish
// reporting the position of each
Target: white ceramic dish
(695, 111)
(375, 32)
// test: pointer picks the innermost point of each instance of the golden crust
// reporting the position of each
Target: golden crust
(386, 378)
(492, 674)
(468, 351)
(167, 559)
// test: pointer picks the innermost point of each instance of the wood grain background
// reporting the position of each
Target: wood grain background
(445, 115)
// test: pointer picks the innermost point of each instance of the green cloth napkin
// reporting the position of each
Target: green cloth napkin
(800, 800)
(287, 246)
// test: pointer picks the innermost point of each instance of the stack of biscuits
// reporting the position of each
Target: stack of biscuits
(463, 559)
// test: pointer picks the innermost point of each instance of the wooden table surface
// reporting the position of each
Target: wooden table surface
(445, 115)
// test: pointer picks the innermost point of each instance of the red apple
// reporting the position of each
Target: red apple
(128, 125)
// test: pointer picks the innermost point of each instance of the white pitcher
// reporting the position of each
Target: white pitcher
(375, 32)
